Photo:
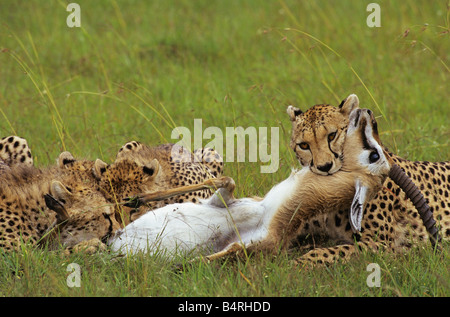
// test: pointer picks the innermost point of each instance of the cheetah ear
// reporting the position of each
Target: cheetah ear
(58, 207)
(65, 158)
(60, 192)
(152, 169)
(99, 168)
(293, 112)
(348, 104)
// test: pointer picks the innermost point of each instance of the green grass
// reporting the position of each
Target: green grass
(137, 69)
(41, 273)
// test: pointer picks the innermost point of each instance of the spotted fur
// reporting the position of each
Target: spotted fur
(14, 150)
(390, 220)
(90, 191)
(24, 216)
(169, 165)
(318, 136)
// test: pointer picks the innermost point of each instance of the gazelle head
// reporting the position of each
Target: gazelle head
(364, 156)
(363, 148)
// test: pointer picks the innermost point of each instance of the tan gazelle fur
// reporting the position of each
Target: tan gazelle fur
(223, 224)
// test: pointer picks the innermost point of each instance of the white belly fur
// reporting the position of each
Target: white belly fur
(181, 228)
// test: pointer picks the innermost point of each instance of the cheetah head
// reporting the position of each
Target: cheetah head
(128, 178)
(82, 214)
(318, 135)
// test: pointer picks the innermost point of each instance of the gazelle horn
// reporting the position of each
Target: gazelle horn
(413, 193)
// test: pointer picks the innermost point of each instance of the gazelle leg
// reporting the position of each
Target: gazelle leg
(232, 249)
(224, 195)
(212, 183)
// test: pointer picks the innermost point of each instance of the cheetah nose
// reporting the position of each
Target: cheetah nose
(325, 168)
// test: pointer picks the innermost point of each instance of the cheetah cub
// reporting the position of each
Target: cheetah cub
(224, 225)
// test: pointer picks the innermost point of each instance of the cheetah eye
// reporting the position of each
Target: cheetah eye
(303, 146)
(331, 136)
(374, 156)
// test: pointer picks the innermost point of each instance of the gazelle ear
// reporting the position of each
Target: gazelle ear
(348, 104)
(99, 168)
(60, 192)
(293, 112)
(65, 158)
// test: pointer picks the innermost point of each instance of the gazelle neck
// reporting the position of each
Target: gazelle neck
(280, 193)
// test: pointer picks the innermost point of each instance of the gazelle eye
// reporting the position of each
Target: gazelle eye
(303, 146)
(331, 136)
(374, 156)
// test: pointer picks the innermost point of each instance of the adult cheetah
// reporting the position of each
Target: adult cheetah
(25, 216)
(390, 220)
(173, 166)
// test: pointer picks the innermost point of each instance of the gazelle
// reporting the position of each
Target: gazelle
(224, 224)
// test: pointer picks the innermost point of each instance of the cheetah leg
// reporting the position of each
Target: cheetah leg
(333, 254)
(212, 183)
(87, 246)
(326, 255)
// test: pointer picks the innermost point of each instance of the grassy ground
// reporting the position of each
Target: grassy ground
(40, 273)
(137, 69)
